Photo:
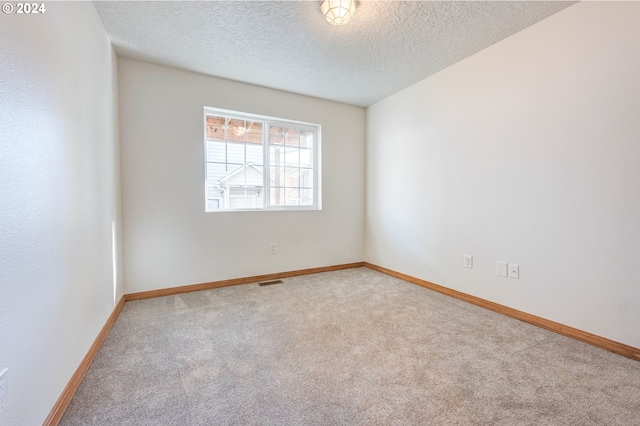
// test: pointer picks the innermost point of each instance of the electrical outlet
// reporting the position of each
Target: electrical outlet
(3, 389)
(514, 271)
(274, 248)
(468, 261)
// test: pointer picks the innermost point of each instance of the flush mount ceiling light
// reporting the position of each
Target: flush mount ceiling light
(338, 12)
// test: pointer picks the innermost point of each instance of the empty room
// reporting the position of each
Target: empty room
(320, 213)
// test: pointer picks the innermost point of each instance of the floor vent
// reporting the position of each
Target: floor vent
(270, 283)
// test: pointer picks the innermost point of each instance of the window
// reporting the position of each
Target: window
(256, 162)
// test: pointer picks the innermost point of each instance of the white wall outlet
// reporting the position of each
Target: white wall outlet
(468, 261)
(3, 389)
(514, 271)
(273, 248)
(502, 269)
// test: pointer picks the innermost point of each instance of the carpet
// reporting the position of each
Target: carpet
(350, 347)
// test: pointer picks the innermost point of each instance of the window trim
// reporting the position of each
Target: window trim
(269, 121)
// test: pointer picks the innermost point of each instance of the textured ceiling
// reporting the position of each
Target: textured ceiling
(288, 45)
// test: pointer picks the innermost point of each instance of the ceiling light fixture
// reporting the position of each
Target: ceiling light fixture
(338, 12)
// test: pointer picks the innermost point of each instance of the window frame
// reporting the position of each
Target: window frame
(267, 123)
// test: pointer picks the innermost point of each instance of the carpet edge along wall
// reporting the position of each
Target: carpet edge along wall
(67, 394)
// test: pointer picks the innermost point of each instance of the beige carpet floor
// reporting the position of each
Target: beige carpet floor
(352, 347)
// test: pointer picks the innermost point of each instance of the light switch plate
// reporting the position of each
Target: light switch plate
(514, 271)
(468, 261)
(502, 269)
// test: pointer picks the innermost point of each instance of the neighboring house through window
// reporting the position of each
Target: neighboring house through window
(257, 162)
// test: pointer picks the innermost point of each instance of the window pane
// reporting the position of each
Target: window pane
(276, 155)
(213, 192)
(276, 135)
(237, 177)
(277, 176)
(277, 196)
(232, 171)
(292, 197)
(255, 154)
(254, 132)
(306, 139)
(245, 198)
(216, 151)
(215, 127)
(238, 200)
(306, 197)
(235, 130)
(235, 153)
(306, 158)
(291, 157)
(241, 193)
(291, 177)
(215, 172)
(253, 176)
(292, 137)
(306, 178)
(213, 204)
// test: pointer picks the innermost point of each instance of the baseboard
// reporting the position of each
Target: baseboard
(565, 330)
(236, 281)
(65, 398)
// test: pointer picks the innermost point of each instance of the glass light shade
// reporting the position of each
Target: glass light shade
(338, 12)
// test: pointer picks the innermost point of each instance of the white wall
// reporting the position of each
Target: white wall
(169, 240)
(59, 196)
(527, 152)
